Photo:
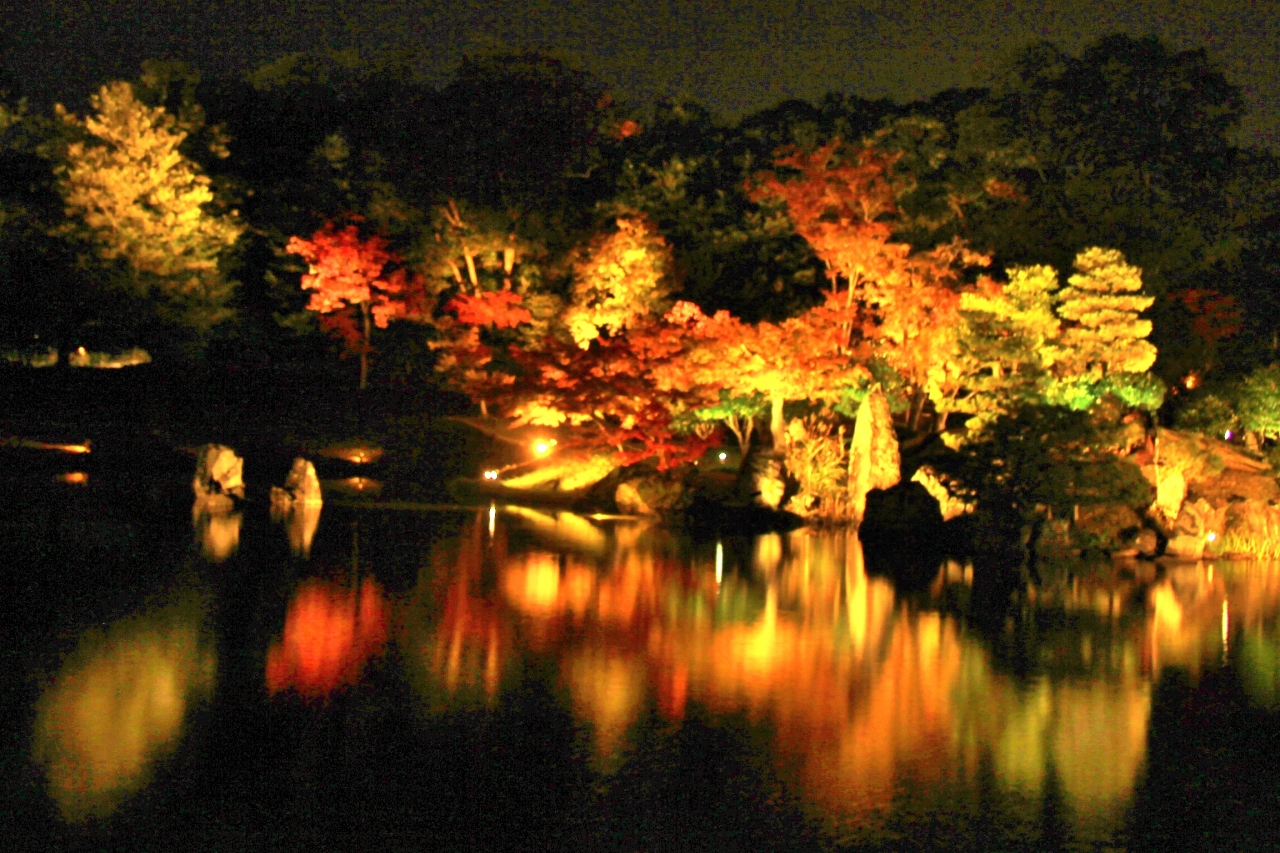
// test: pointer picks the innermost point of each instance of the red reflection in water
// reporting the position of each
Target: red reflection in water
(329, 634)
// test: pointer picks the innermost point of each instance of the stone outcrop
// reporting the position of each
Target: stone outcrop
(301, 486)
(1212, 496)
(1108, 527)
(762, 481)
(874, 459)
(219, 478)
(651, 493)
(297, 505)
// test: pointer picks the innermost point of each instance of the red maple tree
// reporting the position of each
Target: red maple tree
(353, 289)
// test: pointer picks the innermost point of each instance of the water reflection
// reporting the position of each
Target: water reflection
(217, 531)
(330, 632)
(118, 705)
(300, 520)
(864, 692)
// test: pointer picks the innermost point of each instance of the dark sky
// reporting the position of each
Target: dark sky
(735, 56)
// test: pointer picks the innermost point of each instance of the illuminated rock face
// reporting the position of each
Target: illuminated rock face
(762, 481)
(875, 462)
(219, 476)
(301, 486)
(118, 706)
(297, 505)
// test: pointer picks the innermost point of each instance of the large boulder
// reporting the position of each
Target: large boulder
(762, 479)
(875, 462)
(650, 493)
(1171, 491)
(1198, 526)
(902, 534)
(1108, 527)
(902, 511)
(297, 506)
(219, 478)
(301, 486)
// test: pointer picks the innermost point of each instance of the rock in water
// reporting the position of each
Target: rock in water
(874, 461)
(219, 475)
(301, 486)
(297, 505)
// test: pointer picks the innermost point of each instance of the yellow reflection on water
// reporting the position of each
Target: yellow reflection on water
(608, 688)
(300, 520)
(118, 705)
(217, 531)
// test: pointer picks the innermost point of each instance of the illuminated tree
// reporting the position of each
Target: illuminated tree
(1214, 317)
(884, 298)
(618, 278)
(349, 276)
(134, 196)
(494, 278)
(1007, 335)
(626, 393)
(1027, 341)
(1102, 336)
(472, 250)
(1258, 402)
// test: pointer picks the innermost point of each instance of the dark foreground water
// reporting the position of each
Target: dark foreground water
(385, 678)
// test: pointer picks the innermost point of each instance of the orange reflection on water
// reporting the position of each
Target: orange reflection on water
(862, 692)
(330, 632)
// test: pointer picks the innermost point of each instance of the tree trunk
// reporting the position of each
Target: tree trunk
(776, 428)
(364, 350)
(917, 408)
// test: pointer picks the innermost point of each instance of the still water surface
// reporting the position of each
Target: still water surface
(508, 678)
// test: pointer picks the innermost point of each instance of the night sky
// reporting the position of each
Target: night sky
(735, 57)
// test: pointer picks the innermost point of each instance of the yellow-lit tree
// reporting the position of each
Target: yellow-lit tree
(138, 201)
(619, 278)
(1102, 333)
(1008, 338)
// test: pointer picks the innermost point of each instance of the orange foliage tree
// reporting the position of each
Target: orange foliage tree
(353, 289)
(626, 392)
(885, 299)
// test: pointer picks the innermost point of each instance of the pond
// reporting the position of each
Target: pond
(504, 678)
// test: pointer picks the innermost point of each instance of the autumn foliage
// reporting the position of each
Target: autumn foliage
(632, 373)
(351, 280)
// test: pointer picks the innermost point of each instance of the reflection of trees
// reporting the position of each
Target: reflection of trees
(456, 640)
(864, 692)
(329, 634)
(118, 705)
